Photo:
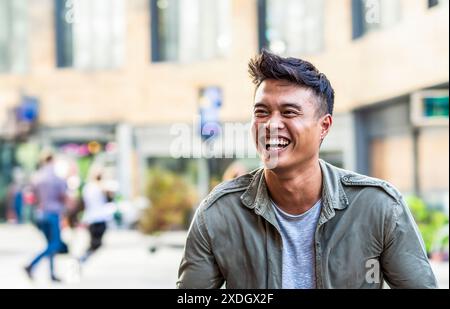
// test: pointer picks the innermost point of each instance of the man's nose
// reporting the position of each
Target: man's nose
(274, 123)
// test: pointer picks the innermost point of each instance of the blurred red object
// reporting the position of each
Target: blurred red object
(29, 197)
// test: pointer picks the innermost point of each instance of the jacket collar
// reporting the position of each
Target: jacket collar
(333, 196)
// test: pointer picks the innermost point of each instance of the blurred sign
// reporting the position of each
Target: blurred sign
(430, 108)
(27, 111)
(21, 118)
(436, 106)
(210, 103)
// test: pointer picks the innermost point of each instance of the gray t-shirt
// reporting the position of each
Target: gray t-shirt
(297, 232)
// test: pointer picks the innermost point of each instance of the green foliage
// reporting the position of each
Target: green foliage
(418, 208)
(430, 223)
(27, 155)
(83, 165)
(172, 199)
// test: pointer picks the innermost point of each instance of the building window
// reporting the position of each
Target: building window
(90, 34)
(13, 35)
(291, 27)
(370, 15)
(433, 3)
(190, 30)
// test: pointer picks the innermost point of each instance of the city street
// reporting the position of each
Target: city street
(125, 261)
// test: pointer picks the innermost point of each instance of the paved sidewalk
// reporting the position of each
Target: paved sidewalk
(125, 261)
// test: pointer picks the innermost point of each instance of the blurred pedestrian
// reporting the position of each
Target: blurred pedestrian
(16, 196)
(50, 191)
(97, 212)
(15, 203)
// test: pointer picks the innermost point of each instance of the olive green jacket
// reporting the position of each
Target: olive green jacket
(365, 236)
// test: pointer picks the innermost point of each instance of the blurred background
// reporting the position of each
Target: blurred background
(102, 83)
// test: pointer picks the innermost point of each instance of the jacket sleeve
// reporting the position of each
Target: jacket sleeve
(404, 262)
(198, 268)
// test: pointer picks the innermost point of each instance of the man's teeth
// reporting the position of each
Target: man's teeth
(277, 143)
(282, 142)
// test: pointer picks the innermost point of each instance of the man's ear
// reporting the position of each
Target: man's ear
(325, 122)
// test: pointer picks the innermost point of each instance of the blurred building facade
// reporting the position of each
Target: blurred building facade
(120, 73)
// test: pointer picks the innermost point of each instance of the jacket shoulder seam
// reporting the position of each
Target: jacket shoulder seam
(214, 196)
(349, 180)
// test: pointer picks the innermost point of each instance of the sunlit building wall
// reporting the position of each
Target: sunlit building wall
(126, 71)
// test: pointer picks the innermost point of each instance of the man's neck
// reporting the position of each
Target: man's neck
(297, 190)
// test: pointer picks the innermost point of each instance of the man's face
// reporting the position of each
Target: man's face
(287, 126)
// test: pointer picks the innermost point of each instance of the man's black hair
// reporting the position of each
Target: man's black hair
(270, 66)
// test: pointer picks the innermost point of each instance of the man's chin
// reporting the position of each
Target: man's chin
(274, 163)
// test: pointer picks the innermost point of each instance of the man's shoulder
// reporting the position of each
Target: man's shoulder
(229, 190)
(350, 179)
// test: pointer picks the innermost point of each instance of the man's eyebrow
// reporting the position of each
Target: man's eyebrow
(259, 104)
(294, 105)
(284, 105)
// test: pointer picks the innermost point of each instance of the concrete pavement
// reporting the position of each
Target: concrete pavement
(125, 261)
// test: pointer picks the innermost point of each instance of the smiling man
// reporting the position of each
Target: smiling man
(300, 222)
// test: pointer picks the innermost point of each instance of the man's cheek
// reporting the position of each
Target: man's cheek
(258, 136)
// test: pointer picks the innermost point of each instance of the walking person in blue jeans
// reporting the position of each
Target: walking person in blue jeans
(51, 195)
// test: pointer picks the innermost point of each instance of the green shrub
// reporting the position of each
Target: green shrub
(172, 200)
(430, 223)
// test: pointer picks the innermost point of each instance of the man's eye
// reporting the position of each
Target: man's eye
(260, 113)
(290, 113)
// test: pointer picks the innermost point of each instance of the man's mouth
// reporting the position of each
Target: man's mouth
(278, 143)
